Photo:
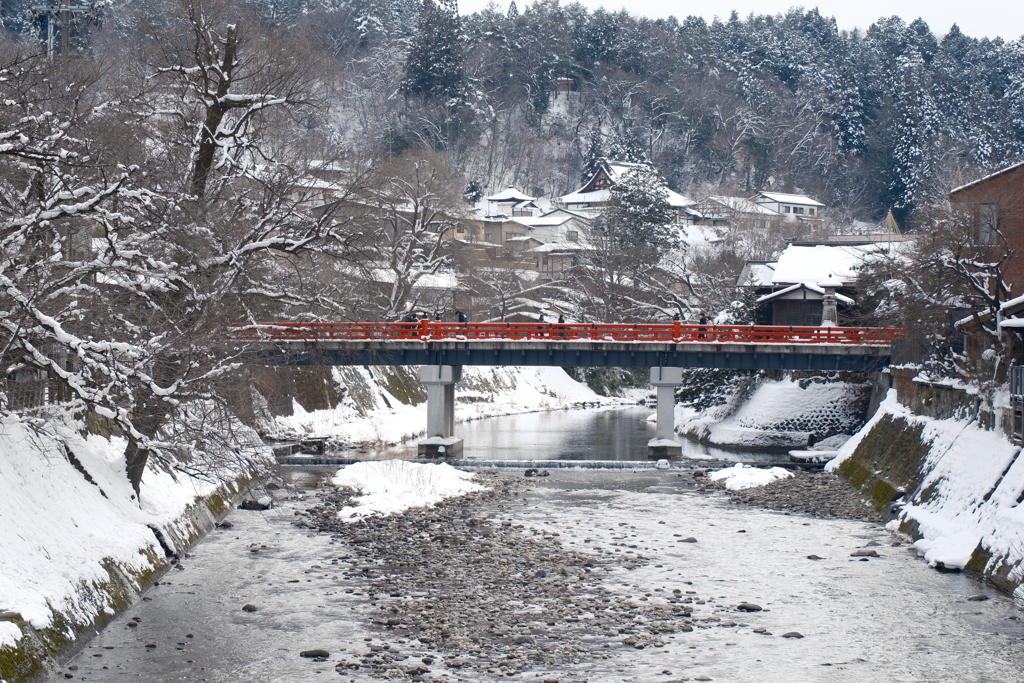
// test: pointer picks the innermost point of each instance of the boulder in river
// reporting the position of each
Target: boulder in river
(748, 607)
(249, 608)
(263, 503)
(315, 653)
(864, 552)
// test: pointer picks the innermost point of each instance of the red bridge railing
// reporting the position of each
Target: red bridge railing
(676, 332)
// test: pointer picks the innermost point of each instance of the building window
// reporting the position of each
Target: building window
(798, 209)
(785, 209)
(572, 235)
(988, 223)
(460, 230)
(811, 210)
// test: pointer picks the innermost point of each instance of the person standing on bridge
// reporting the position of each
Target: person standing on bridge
(561, 323)
(703, 321)
(461, 317)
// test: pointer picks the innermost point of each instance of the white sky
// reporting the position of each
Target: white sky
(980, 18)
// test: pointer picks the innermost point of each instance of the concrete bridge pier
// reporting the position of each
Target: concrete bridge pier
(441, 441)
(664, 444)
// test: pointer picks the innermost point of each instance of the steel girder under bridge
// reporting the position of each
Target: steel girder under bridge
(744, 347)
(573, 354)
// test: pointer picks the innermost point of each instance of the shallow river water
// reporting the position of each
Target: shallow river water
(615, 433)
(886, 619)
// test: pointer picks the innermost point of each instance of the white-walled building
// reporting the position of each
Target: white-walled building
(790, 205)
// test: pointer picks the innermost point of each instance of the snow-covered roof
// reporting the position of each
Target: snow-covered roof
(802, 285)
(800, 199)
(476, 243)
(674, 199)
(615, 170)
(814, 264)
(546, 220)
(313, 183)
(756, 274)
(560, 246)
(678, 201)
(851, 240)
(568, 212)
(594, 197)
(442, 280)
(988, 177)
(742, 205)
(1012, 306)
(510, 193)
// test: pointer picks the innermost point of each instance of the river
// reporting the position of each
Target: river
(614, 433)
(889, 618)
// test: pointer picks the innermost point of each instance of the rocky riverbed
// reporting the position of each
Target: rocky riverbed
(495, 597)
(814, 493)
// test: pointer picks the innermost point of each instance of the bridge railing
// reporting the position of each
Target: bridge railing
(676, 332)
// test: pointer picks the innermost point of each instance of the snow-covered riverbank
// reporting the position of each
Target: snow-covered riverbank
(956, 486)
(76, 546)
(383, 405)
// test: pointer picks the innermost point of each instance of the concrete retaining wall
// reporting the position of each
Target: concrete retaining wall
(936, 460)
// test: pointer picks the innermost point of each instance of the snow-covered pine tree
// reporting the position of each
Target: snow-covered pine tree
(434, 65)
(593, 154)
(639, 216)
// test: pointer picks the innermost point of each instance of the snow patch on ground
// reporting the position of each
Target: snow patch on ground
(58, 530)
(741, 476)
(394, 486)
(974, 477)
(483, 392)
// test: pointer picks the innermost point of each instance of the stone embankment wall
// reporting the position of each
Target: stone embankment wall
(937, 460)
(785, 411)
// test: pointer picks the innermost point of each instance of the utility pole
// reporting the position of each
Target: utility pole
(65, 28)
(65, 10)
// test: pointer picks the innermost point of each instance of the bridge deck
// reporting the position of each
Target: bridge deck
(570, 345)
(676, 332)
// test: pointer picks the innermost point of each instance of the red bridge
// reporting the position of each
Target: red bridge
(673, 333)
(442, 348)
